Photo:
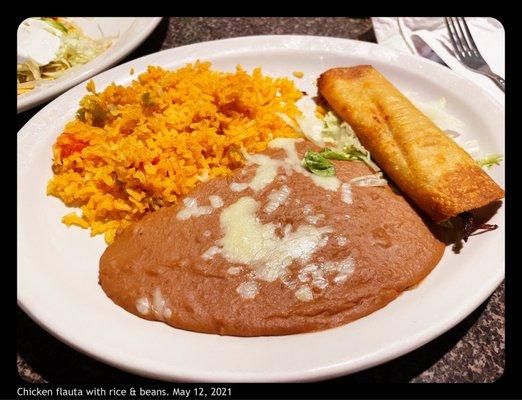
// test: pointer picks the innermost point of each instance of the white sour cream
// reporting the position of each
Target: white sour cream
(37, 41)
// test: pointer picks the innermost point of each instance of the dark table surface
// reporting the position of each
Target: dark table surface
(473, 351)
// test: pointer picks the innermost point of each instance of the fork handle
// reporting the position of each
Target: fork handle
(501, 83)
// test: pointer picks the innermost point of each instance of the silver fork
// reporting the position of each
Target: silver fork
(466, 50)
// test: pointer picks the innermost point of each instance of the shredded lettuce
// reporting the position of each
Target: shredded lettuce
(331, 130)
(484, 160)
(343, 135)
(334, 155)
(320, 164)
(436, 111)
(489, 160)
(55, 24)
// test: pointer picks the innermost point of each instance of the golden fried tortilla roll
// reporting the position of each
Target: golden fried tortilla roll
(427, 165)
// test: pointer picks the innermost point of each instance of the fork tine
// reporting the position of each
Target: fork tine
(462, 36)
(470, 38)
(452, 34)
(466, 50)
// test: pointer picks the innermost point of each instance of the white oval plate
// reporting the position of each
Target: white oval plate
(130, 32)
(58, 266)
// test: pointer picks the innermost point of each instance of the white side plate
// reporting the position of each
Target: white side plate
(131, 32)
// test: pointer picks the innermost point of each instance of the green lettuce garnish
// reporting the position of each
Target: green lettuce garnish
(334, 155)
(357, 152)
(318, 164)
(55, 24)
(489, 160)
(339, 132)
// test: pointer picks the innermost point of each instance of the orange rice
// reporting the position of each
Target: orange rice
(132, 150)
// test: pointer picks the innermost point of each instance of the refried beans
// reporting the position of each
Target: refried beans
(272, 250)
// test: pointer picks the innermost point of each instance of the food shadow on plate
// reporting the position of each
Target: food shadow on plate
(58, 363)
(452, 232)
(454, 236)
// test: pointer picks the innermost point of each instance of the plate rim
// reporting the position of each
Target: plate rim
(54, 91)
(330, 371)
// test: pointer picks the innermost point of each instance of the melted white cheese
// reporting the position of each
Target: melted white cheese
(276, 198)
(326, 182)
(215, 201)
(314, 219)
(288, 145)
(346, 193)
(143, 305)
(265, 172)
(248, 290)
(305, 272)
(345, 268)
(159, 305)
(192, 209)
(238, 187)
(320, 282)
(234, 270)
(210, 253)
(304, 293)
(316, 274)
(370, 180)
(247, 241)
